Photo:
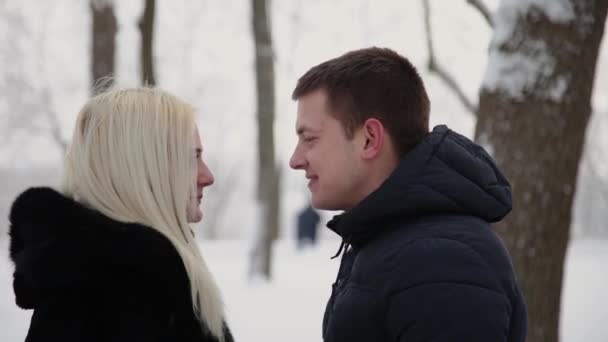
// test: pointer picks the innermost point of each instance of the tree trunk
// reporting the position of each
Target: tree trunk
(268, 176)
(146, 29)
(534, 107)
(103, 43)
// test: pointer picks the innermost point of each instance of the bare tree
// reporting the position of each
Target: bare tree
(103, 44)
(434, 66)
(537, 135)
(146, 29)
(533, 111)
(268, 174)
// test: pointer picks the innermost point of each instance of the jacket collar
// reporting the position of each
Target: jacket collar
(444, 174)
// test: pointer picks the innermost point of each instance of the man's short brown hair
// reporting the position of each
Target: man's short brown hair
(373, 83)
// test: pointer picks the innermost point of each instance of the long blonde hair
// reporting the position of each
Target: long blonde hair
(132, 158)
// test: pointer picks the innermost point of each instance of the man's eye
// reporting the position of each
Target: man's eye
(309, 139)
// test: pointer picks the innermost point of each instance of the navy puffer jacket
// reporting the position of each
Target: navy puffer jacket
(421, 261)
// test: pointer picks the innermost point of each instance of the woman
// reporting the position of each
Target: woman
(113, 257)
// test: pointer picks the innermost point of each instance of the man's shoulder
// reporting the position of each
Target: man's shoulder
(437, 249)
(408, 235)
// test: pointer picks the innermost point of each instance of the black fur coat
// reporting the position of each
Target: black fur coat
(90, 278)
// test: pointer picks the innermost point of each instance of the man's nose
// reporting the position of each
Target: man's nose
(296, 161)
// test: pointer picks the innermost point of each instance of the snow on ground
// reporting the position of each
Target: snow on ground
(584, 297)
(291, 307)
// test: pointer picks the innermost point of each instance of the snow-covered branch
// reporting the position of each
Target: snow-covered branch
(438, 69)
(483, 9)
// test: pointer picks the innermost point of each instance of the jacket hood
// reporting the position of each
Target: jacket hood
(444, 174)
(58, 244)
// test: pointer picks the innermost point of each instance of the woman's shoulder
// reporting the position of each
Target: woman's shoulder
(57, 240)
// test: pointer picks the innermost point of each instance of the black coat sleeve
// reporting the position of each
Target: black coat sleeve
(75, 318)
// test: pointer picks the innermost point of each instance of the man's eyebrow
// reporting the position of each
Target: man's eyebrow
(304, 129)
(198, 150)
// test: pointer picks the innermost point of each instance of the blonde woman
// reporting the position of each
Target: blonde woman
(112, 256)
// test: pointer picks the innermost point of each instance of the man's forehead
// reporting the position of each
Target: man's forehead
(311, 112)
(309, 124)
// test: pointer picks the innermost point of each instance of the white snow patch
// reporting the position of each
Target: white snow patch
(558, 11)
(513, 73)
(516, 72)
(558, 89)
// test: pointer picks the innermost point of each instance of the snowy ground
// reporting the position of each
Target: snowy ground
(290, 308)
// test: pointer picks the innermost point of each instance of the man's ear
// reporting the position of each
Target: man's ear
(374, 135)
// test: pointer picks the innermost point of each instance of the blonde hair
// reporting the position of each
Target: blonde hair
(132, 158)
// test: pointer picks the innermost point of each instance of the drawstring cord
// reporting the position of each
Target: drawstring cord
(343, 247)
(339, 249)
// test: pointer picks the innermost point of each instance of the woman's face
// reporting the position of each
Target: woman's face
(204, 178)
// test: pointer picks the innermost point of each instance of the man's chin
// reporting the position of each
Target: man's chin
(323, 204)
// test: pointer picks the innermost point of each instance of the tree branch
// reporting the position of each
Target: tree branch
(436, 68)
(483, 9)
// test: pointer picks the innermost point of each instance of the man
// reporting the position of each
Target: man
(420, 261)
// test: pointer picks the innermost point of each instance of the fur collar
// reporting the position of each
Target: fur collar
(58, 244)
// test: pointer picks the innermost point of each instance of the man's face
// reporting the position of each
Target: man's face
(331, 161)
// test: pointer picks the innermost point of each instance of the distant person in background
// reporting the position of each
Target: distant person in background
(308, 221)
(112, 257)
(420, 261)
